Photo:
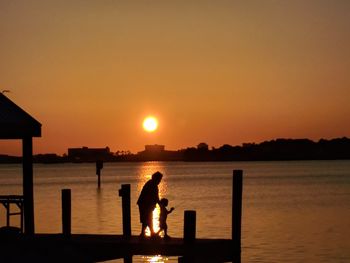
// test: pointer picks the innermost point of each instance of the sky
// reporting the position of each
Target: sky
(220, 72)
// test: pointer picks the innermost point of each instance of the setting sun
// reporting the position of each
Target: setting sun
(150, 124)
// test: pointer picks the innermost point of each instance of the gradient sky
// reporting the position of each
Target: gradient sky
(211, 71)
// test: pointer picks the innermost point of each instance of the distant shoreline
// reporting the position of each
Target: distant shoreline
(275, 150)
(179, 161)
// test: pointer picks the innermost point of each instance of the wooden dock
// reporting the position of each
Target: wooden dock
(97, 248)
(68, 247)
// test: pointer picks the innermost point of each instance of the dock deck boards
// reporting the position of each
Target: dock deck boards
(95, 248)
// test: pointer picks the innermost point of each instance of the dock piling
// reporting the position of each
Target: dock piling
(124, 192)
(66, 212)
(237, 182)
(128, 259)
(99, 167)
(28, 193)
(189, 226)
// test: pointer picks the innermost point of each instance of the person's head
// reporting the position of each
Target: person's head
(164, 202)
(157, 177)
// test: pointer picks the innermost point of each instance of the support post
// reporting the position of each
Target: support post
(124, 192)
(99, 166)
(237, 183)
(186, 259)
(189, 226)
(27, 147)
(22, 216)
(66, 212)
(128, 259)
(7, 206)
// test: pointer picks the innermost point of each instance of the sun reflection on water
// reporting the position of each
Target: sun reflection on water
(158, 259)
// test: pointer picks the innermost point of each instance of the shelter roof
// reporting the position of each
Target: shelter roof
(15, 123)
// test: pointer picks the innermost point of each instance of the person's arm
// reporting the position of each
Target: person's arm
(158, 200)
(171, 209)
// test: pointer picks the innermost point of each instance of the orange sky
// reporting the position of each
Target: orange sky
(211, 71)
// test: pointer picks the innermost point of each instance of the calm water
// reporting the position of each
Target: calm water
(292, 211)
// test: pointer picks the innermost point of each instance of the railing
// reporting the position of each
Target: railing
(6, 201)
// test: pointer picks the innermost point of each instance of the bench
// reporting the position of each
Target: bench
(18, 200)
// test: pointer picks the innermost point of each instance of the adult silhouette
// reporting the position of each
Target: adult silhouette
(148, 199)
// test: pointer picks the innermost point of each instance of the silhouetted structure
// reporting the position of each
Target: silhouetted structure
(6, 201)
(274, 150)
(70, 247)
(9, 159)
(66, 212)
(203, 146)
(86, 154)
(15, 123)
(156, 148)
(49, 158)
(99, 167)
(147, 201)
(156, 153)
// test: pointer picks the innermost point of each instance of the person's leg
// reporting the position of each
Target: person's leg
(143, 220)
(150, 222)
(158, 232)
(165, 230)
(143, 229)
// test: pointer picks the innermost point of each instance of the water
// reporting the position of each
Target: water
(292, 211)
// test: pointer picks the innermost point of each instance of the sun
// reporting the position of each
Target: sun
(150, 124)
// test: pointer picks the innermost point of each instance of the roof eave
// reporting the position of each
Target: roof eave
(24, 132)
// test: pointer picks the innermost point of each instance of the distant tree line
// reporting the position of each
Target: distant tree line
(279, 149)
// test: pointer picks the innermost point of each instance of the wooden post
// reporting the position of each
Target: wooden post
(189, 226)
(7, 206)
(66, 212)
(99, 166)
(22, 216)
(128, 259)
(27, 147)
(186, 259)
(124, 192)
(237, 182)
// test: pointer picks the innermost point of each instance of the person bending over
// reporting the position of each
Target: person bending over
(147, 201)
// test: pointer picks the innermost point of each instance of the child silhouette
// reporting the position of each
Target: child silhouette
(163, 203)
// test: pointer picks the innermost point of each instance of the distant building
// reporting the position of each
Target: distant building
(86, 154)
(154, 148)
(157, 152)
